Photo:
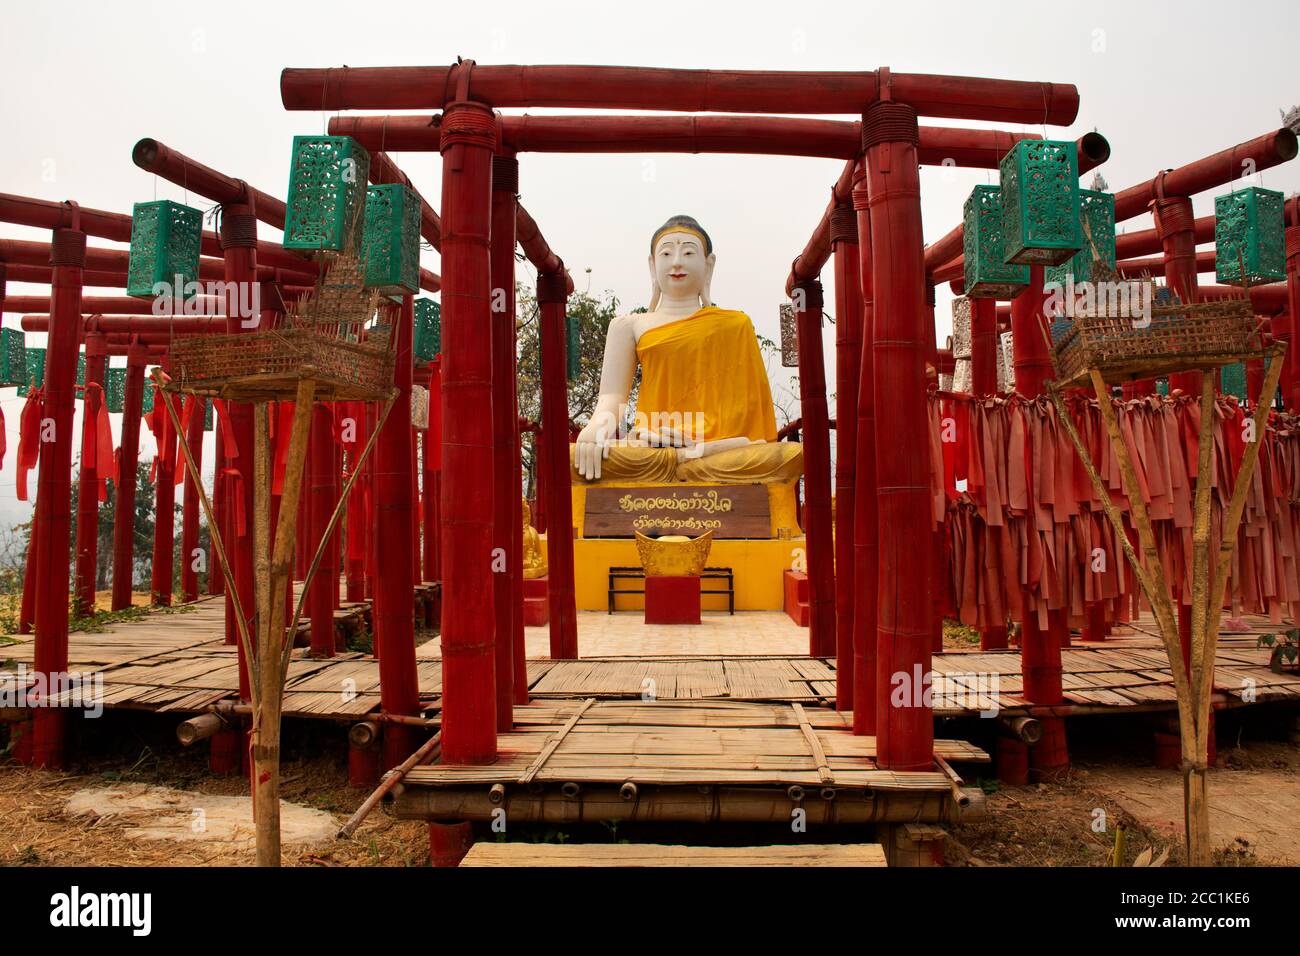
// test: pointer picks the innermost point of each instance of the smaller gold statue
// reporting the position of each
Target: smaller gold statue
(534, 560)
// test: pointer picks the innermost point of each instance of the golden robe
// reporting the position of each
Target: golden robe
(704, 376)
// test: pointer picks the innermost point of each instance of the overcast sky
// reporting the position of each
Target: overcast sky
(82, 82)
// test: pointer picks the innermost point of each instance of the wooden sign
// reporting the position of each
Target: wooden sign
(729, 511)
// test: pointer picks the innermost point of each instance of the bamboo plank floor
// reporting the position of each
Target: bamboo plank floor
(177, 662)
(687, 743)
(650, 854)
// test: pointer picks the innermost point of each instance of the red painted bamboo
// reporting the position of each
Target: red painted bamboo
(394, 595)
(128, 457)
(866, 552)
(1291, 396)
(984, 382)
(468, 678)
(848, 356)
(238, 227)
(817, 469)
(87, 544)
(506, 510)
(216, 579)
(54, 491)
(432, 475)
(754, 135)
(671, 90)
(162, 328)
(551, 299)
(164, 518)
(320, 508)
(190, 551)
(1174, 222)
(1040, 648)
(357, 524)
(904, 720)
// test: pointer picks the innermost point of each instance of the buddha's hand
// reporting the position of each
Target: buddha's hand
(592, 446)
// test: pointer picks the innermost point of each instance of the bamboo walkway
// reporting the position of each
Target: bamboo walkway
(651, 854)
(177, 662)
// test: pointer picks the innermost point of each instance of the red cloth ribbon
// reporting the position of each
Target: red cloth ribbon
(97, 441)
(29, 438)
(235, 496)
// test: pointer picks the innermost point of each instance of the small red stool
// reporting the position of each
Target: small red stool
(537, 602)
(672, 600)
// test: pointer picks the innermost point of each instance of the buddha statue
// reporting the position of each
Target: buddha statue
(704, 410)
(534, 560)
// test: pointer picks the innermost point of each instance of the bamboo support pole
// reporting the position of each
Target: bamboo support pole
(267, 696)
(391, 779)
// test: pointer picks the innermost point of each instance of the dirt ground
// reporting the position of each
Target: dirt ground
(1254, 792)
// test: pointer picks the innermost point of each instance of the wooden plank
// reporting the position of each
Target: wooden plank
(645, 855)
(555, 741)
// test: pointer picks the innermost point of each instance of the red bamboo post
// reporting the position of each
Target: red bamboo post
(938, 563)
(320, 508)
(904, 719)
(433, 475)
(54, 489)
(417, 508)
(1174, 222)
(164, 518)
(848, 355)
(357, 525)
(1291, 394)
(817, 467)
(190, 551)
(240, 249)
(394, 595)
(468, 678)
(127, 460)
(1040, 648)
(866, 551)
(27, 611)
(507, 514)
(984, 382)
(216, 579)
(88, 477)
(551, 300)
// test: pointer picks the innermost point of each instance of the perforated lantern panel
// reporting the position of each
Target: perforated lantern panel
(1097, 222)
(390, 244)
(789, 337)
(428, 330)
(1040, 202)
(1249, 231)
(13, 357)
(81, 372)
(115, 389)
(35, 374)
(1232, 380)
(327, 189)
(207, 415)
(987, 274)
(165, 242)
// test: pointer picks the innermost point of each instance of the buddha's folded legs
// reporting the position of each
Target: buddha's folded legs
(762, 462)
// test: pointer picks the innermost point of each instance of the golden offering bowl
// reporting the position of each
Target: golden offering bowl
(673, 555)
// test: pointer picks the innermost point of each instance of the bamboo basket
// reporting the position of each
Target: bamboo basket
(329, 336)
(1178, 338)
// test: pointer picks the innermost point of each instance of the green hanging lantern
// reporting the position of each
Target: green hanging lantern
(390, 243)
(987, 274)
(207, 415)
(81, 371)
(327, 194)
(1097, 222)
(428, 330)
(165, 241)
(572, 347)
(1040, 202)
(35, 372)
(1232, 380)
(146, 401)
(115, 389)
(1249, 230)
(13, 357)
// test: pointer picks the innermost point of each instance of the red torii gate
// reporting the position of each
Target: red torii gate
(891, 139)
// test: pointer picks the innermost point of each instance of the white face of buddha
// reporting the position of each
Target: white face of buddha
(680, 266)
